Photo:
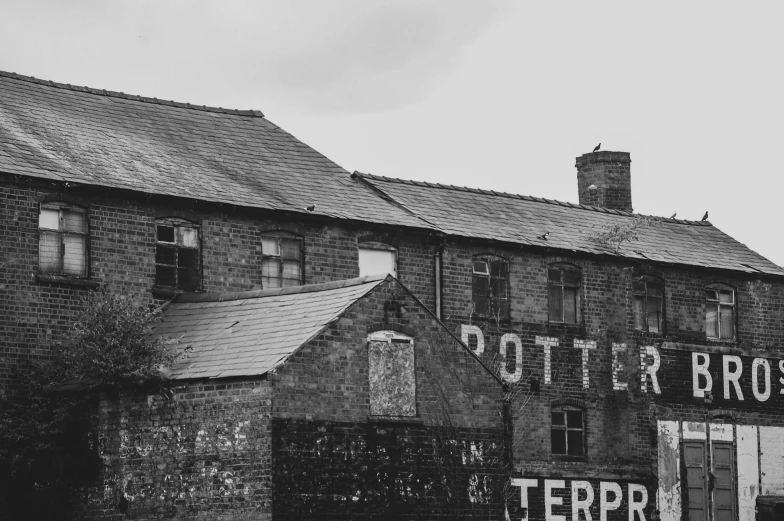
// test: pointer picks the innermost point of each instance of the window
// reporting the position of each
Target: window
(648, 297)
(391, 374)
(562, 286)
(491, 287)
(720, 313)
(567, 431)
(281, 263)
(62, 243)
(377, 258)
(177, 259)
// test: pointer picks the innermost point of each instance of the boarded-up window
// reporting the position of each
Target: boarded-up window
(177, 255)
(62, 245)
(281, 263)
(377, 260)
(391, 374)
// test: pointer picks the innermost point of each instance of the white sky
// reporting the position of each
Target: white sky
(492, 94)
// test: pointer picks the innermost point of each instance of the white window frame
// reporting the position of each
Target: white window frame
(61, 233)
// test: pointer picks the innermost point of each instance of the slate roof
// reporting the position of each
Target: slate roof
(250, 333)
(521, 219)
(82, 135)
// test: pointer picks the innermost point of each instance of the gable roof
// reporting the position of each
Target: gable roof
(518, 219)
(81, 135)
(251, 333)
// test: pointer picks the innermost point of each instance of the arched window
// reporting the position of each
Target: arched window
(490, 286)
(563, 286)
(62, 239)
(719, 312)
(648, 293)
(567, 430)
(178, 254)
(281, 260)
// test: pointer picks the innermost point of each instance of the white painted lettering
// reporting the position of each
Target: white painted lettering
(585, 346)
(781, 380)
(550, 501)
(649, 369)
(583, 505)
(546, 342)
(467, 331)
(618, 367)
(732, 376)
(605, 505)
(634, 505)
(518, 372)
(699, 366)
(524, 485)
(760, 396)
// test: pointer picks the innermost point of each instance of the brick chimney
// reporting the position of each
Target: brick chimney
(604, 179)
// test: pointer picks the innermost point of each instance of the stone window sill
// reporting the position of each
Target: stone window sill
(395, 419)
(71, 281)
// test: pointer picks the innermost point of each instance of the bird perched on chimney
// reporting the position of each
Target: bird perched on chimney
(310, 208)
(597, 147)
(673, 215)
(705, 217)
(545, 236)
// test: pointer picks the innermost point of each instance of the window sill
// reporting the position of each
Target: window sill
(395, 419)
(169, 291)
(71, 281)
(564, 457)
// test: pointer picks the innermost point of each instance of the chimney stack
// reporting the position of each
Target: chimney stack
(604, 179)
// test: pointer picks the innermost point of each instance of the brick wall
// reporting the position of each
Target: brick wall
(122, 256)
(333, 461)
(202, 453)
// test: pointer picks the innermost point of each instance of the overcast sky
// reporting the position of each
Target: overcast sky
(492, 94)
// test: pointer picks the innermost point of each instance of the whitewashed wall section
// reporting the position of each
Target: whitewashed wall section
(759, 458)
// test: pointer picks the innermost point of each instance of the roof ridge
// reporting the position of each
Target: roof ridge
(131, 97)
(291, 290)
(531, 198)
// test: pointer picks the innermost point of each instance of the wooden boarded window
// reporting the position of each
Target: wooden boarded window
(391, 374)
(62, 243)
(696, 480)
(723, 481)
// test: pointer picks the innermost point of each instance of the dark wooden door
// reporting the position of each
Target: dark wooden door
(696, 479)
(723, 481)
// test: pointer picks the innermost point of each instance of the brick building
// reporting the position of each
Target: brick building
(641, 355)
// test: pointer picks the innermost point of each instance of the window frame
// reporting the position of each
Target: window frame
(498, 307)
(175, 223)
(564, 409)
(61, 207)
(562, 284)
(378, 246)
(392, 338)
(281, 236)
(718, 289)
(645, 295)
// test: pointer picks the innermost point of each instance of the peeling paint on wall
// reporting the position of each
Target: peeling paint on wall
(771, 441)
(669, 493)
(748, 472)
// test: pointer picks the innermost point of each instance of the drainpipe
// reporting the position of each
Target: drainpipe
(438, 263)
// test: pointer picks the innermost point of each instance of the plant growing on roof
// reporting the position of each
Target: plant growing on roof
(613, 236)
